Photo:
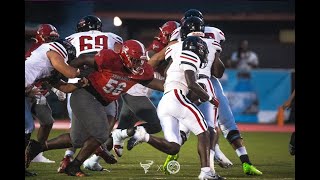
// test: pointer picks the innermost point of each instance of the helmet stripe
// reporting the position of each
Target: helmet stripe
(142, 47)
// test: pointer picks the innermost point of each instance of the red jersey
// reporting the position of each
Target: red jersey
(112, 78)
(156, 45)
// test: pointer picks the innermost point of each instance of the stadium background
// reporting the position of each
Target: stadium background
(269, 27)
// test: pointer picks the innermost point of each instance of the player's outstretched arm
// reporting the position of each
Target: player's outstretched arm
(217, 68)
(156, 84)
(155, 60)
(70, 87)
(84, 59)
(58, 63)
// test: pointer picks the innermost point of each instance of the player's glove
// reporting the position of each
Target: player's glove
(61, 95)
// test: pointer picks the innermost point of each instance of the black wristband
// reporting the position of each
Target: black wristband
(78, 84)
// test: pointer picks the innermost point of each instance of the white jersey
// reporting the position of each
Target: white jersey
(212, 48)
(175, 91)
(213, 38)
(92, 41)
(182, 60)
(38, 65)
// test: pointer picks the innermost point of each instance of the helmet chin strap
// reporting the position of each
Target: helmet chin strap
(135, 72)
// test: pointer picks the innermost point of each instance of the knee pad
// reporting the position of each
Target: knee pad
(233, 135)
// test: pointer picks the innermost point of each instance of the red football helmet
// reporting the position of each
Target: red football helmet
(133, 56)
(46, 33)
(166, 30)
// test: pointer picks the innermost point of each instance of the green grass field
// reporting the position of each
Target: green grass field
(267, 151)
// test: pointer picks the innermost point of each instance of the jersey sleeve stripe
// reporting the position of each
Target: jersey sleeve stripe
(221, 33)
(58, 50)
(174, 33)
(189, 55)
(185, 62)
(70, 39)
(216, 44)
(168, 51)
(191, 59)
(62, 49)
(118, 40)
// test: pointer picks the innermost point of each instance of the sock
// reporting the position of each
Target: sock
(147, 137)
(212, 160)
(217, 150)
(124, 133)
(205, 169)
(243, 155)
(68, 153)
(95, 158)
(241, 151)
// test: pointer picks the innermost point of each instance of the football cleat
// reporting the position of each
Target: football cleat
(28, 173)
(210, 175)
(73, 170)
(222, 160)
(64, 163)
(250, 169)
(42, 159)
(92, 165)
(118, 142)
(105, 154)
(132, 142)
(138, 137)
(165, 164)
(32, 150)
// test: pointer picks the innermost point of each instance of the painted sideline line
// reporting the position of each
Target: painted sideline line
(65, 124)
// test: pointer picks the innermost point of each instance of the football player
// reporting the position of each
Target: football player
(226, 119)
(44, 34)
(136, 104)
(89, 38)
(47, 63)
(114, 74)
(187, 57)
